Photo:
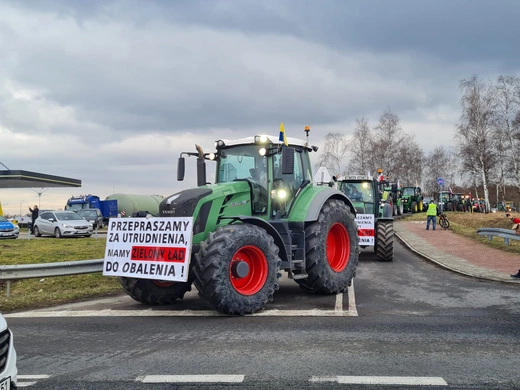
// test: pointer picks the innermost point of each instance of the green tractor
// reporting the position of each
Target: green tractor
(412, 200)
(262, 215)
(374, 211)
(395, 194)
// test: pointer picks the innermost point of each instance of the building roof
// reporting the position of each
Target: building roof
(26, 179)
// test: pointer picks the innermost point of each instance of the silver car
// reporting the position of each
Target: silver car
(8, 370)
(62, 224)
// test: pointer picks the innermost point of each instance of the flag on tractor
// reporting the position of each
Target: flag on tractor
(123, 213)
(282, 137)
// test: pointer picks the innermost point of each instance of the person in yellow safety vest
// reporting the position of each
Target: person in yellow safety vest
(432, 215)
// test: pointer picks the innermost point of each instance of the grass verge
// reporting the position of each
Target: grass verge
(36, 293)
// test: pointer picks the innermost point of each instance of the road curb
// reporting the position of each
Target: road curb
(459, 271)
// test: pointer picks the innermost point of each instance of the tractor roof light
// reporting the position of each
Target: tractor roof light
(262, 151)
(210, 156)
(219, 144)
(261, 139)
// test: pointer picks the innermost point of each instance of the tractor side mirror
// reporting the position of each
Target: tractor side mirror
(181, 169)
(288, 161)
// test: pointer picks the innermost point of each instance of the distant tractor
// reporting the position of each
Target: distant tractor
(451, 201)
(374, 210)
(412, 200)
(262, 215)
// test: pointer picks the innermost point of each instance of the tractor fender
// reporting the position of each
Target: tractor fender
(268, 228)
(317, 202)
(387, 211)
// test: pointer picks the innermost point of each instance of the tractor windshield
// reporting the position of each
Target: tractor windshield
(408, 191)
(242, 162)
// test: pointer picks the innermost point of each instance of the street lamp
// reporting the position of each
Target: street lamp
(40, 195)
(21, 208)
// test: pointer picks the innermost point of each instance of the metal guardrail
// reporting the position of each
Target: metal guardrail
(47, 270)
(506, 234)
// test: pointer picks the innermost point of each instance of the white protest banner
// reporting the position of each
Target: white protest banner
(149, 248)
(365, 223)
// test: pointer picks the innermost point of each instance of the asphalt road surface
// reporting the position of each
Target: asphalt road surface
(406, 324)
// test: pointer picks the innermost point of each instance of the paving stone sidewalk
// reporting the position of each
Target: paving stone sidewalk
(459, 254)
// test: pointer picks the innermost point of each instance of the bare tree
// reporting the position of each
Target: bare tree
(437, 163)
(410, 158)
(334, 154)
(360, 147)
(475, 131)
(387, 143)
(507, 109)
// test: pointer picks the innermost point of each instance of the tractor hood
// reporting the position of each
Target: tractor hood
(183, 204)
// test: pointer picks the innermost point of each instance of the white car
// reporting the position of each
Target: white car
(8, 370)
(61, 224)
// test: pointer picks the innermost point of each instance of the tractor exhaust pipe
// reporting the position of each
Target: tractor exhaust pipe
(201, 167)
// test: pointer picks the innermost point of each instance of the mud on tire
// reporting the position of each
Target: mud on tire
(219, 287)
(331, 247)
(154, 292)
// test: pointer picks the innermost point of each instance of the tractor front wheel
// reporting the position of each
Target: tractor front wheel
(384, 247)
(237, 269)
(155, 292)
(332, 252)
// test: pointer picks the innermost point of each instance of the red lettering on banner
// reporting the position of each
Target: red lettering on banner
(153, 253)
(366, 232)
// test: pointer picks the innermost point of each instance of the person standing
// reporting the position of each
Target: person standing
(432, 215)
(35, 212)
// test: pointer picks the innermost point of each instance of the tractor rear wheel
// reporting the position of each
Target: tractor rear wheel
(414, 206)
(155, 292)
(384, 247)
(332, 252)
(400, 210)
(237, 269)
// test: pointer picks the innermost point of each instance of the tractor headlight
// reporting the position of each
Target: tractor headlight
(211, 156)
(281, 194)
(219, 144)
(262, 151)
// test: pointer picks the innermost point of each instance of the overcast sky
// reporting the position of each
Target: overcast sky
(110, 92)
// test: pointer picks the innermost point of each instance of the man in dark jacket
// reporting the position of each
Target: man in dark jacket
(35, 211)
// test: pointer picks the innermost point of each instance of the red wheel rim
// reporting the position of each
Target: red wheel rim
(163, 284)
(338, 247)
(258, 269)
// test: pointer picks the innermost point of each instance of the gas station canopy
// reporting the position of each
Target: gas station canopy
(26, 179)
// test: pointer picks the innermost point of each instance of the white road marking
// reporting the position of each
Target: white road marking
(337, 312)
(22, 378)
(384, 380)
(191, 379)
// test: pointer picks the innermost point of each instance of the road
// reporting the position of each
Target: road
(409, 323)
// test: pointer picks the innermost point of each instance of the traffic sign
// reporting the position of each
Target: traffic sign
(440, 181)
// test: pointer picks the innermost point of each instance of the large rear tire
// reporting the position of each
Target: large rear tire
(237, 269)
(156, 292)
(385, 240)
(332, 253)
(414, 207)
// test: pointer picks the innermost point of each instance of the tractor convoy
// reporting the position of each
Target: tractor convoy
(263, 215)
(373, 201)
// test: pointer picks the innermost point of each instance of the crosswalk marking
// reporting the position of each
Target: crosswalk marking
(191, 379)
(383, 380)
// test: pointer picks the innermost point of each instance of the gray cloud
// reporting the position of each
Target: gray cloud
(134, 83)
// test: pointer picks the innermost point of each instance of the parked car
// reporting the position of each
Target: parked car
(94, 216)
(8, 230)
(62, 224)
(8, 370)
(425, 202)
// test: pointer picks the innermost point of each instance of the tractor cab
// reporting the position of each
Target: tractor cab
(361, 190)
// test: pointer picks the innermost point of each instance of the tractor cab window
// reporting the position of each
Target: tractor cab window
(245, 163)
(409, 191)
(291, 181)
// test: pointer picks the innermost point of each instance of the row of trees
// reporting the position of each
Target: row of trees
(486, 139)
